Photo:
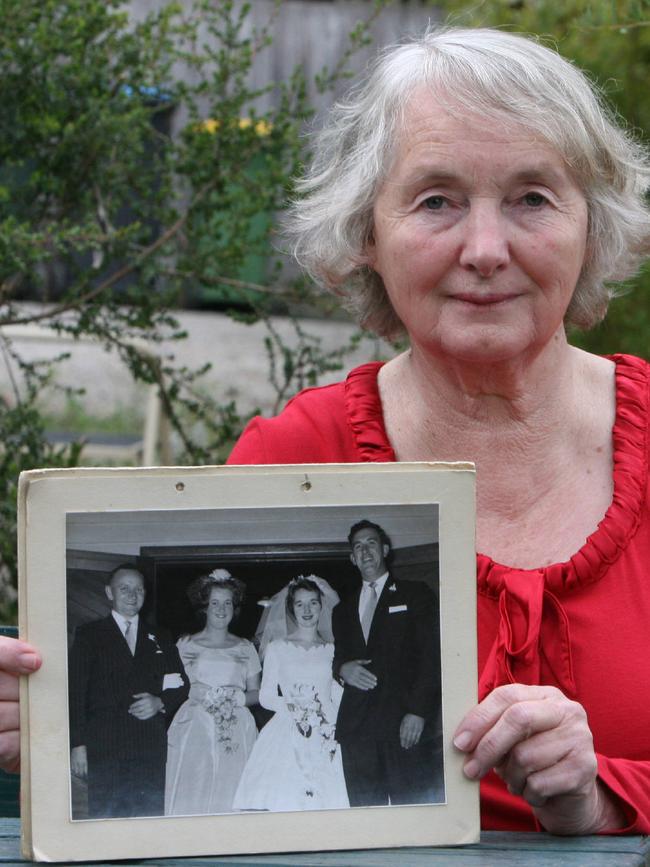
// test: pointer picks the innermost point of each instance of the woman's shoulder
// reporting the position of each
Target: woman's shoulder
(279, 647)
(632, 427)
(317, 425)
(243, 645)
(632, 372)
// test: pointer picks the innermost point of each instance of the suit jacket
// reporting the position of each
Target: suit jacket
(103, 678)
(403, 646)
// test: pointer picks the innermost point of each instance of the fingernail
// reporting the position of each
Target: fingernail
(472, 769)
(29, 661)
(462, 740)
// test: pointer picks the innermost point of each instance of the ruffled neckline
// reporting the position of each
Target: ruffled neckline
(630, 449)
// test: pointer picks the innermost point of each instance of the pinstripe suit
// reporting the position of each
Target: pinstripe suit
(404, 652)
(126, 756)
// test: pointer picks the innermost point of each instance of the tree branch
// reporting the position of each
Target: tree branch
(120, 273)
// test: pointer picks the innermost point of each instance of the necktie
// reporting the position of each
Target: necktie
(129, 634)
(369, 610)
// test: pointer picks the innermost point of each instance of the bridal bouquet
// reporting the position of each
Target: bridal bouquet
(308, 714)
(221, 704)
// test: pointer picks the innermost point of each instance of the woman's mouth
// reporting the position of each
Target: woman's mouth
(484, 299)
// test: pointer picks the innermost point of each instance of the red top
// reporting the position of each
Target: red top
(582, 626)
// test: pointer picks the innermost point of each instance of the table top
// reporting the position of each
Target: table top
(496, 847)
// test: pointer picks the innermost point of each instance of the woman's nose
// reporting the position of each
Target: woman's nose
(486, 248)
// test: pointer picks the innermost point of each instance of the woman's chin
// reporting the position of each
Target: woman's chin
(486, 346)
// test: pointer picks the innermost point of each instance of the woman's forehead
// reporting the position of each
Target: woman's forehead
(428, 117)
(303, 593)
(437, 142)
(221, 593)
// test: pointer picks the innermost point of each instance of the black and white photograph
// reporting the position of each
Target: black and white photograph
(257, 659)
(258, 645)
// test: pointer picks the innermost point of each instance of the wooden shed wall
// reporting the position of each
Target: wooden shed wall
(314, 34)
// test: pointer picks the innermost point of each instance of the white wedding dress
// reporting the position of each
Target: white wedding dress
(296, 761)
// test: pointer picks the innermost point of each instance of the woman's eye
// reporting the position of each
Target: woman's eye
(534, 200)
(434, 203)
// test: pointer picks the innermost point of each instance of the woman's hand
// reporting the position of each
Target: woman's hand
(16, 658)
(539, 742)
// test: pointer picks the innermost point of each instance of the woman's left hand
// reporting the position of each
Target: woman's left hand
(539, 742)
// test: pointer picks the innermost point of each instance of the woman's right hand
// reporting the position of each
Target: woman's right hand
(16, 658)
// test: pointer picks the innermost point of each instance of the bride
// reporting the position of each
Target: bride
(296, 761)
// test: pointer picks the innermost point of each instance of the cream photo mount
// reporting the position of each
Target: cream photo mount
(291, 517)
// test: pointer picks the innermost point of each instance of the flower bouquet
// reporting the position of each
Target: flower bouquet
(220, 702)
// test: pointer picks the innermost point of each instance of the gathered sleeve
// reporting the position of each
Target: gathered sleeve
(188, 654)
(629, 781)
(252, 663)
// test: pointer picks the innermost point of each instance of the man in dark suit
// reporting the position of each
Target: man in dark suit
(387, 658)
(125, 684)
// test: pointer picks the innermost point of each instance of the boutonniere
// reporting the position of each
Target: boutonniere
(392, 588)
(153, 638)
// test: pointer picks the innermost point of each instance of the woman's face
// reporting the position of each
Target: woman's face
(306, 607)
(479, 236)
(221, 608)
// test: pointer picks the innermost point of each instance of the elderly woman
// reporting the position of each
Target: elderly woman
(475, 195)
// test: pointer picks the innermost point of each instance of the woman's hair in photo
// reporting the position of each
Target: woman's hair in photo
(200, 589)
(502, 78)
(300, 583)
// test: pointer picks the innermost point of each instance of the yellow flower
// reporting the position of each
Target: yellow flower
(211, 125)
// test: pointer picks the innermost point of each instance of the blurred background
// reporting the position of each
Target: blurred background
(147, 152)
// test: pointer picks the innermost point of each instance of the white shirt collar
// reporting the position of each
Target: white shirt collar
(379, 584)
(122, 621)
